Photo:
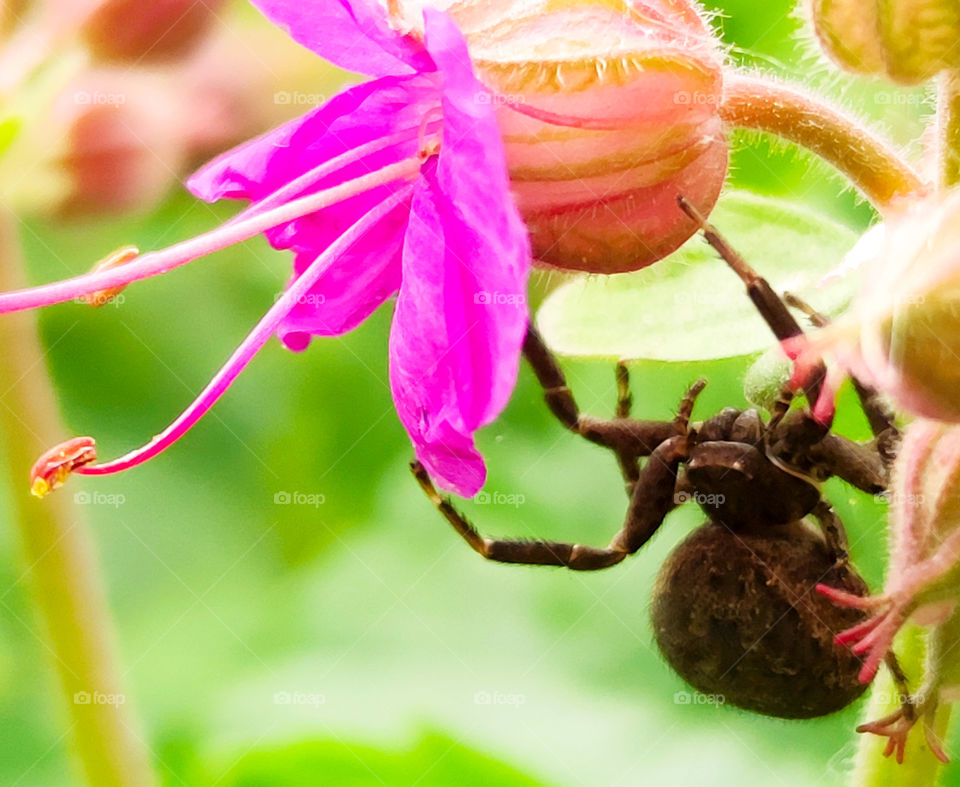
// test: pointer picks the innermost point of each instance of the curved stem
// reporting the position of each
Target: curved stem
(250, 346)
(62, 572)
(870, 163)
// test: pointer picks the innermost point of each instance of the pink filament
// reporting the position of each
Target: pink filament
(252, 344)
(234, 231)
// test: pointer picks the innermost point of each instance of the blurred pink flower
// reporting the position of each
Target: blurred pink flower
(397, 185)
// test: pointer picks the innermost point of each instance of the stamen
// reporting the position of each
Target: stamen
(252, 344)
(229, 234)
(119, 257)
(298, 185)
(52, 469)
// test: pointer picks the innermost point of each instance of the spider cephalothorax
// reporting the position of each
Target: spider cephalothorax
(735, 610)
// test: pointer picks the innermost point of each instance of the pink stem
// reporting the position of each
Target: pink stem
(155, 263)
(252, 344)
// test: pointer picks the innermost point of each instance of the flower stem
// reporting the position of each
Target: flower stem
(62, 572)
(948, 122)
(870, 163)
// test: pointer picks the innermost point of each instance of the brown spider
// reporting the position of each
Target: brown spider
(734, 611)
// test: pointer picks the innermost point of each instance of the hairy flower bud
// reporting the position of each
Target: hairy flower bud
(908, 41)
(609, 111)
(903, 332)
(136, 32)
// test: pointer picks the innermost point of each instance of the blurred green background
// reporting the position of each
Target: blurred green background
(358, 641)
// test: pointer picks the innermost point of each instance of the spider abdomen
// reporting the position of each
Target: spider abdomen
(736, 614)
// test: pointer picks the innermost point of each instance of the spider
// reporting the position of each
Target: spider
(734, 610)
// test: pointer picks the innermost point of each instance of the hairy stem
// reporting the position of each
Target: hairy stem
(948, 127)
(62, 573)
(869, 162)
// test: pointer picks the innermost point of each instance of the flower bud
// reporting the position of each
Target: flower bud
(123, 150)
(908, 41)
(609, 111)
(903, 333)
(135, 32)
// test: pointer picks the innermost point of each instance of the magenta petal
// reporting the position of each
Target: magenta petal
(358, 115)
(351, 289)
(461, 315)
(369, 273)
(353, 34)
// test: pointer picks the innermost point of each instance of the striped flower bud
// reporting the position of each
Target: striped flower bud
(908, 41)
(609, 111)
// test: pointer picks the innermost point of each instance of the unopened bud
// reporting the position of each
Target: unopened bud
(122, 149)
(608, 113)
(53, 468)
(902, 335)
(133, 31)
(908, 41)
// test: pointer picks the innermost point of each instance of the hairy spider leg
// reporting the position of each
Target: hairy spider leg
(652, 499)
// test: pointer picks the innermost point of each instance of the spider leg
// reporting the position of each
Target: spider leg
(833, 530)
(626, 436)
(651, 501)
(539, 553)
(771, 307)
(859, 464)
(629, 466)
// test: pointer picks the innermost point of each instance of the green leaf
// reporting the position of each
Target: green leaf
(690, 306)
(435, 761)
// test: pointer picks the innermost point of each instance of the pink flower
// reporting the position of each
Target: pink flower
(923, 582)
(395, 186)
